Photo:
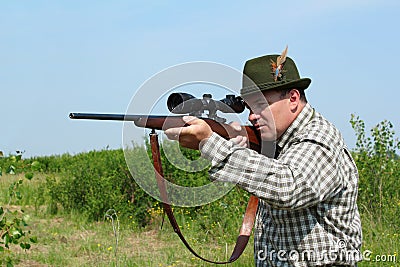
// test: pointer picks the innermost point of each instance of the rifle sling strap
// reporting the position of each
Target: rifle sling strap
(248, 220)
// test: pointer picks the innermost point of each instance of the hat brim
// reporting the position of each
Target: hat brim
(301, 84)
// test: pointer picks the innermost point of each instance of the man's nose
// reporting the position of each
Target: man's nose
(253, 117)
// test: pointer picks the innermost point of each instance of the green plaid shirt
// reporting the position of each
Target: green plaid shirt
(307, 214)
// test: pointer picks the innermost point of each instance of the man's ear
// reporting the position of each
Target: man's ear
(294, 95)
(294, 98)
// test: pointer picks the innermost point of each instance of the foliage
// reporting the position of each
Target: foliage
(379, 170)
(91, 183)
(83, 187)
(13, 223)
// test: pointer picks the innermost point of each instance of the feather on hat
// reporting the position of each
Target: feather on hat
(268, 72)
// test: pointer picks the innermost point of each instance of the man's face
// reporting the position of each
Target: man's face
(270, 113)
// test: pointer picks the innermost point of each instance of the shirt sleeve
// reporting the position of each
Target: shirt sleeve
(307, 173)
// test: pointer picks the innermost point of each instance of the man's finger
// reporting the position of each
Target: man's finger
(188, 119)
(236, 126)
(191, 120)
(240, 140)
(243, 143)
(236, 139)
(173, 133)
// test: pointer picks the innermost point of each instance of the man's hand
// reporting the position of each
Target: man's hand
(190, 136)
(238, 140)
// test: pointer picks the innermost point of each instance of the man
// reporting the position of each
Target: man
(307, 214)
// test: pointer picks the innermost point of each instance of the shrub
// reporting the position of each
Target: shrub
(379, 169)
(91, 183)
(13, 223)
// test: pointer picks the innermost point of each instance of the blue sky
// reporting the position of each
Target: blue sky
(91, 56)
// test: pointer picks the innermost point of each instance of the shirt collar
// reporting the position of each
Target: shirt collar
(303, 118)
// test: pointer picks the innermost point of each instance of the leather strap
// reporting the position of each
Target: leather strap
(248, 220)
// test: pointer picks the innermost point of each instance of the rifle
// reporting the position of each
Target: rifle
(183, 103)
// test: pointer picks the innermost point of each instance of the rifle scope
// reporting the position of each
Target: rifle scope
(183, 103)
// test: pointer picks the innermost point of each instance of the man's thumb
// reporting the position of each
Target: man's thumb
(191, 120)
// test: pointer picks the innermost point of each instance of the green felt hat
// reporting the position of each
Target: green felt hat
(259, 75)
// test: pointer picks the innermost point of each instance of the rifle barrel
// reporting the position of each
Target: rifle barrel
(164, 122)
(156, 122)
(111, 117)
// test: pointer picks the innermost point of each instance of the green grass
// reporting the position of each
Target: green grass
(68, 195)
(69, 240)
(382, 240)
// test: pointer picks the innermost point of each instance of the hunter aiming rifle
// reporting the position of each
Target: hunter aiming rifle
(183, 103)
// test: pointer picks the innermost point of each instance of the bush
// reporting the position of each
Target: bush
(379, 169)
(91, 183)
(13, 222)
